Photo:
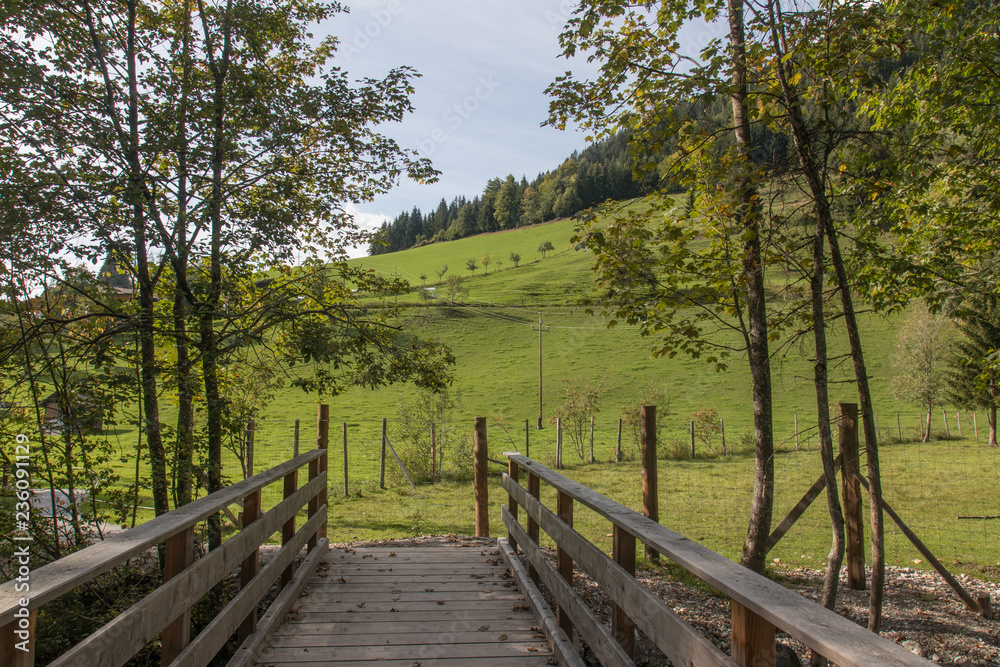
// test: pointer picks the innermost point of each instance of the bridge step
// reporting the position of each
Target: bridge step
(426, 605)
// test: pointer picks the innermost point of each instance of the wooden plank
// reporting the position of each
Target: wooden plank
(397, 637)
(672, 634)
(456, 623)
(215, 635)
(120, 639)
(412, 652)
(438, 614)
(362, 629)
(562, 647)
(801, 507)
(833, 636)
(50, 581)
(480, 451)
(304, 660)
(599, 638)
(247, 653)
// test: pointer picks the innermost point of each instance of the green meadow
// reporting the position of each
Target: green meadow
(493, 334)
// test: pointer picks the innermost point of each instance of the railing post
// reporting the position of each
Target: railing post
(513, 471)
(479, 453)
(650, 496)
(752, 638)
(534, 490)
(179, 554)
(316, 466)
(434, 473)
(622, 627)
(251, 564)
(851, 486)
(323, 442)
(288, 528)
(13, 634)
(564, 510)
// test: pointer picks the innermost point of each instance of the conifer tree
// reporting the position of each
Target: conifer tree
(974, 381)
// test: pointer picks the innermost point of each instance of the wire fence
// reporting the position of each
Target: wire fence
(947, 490)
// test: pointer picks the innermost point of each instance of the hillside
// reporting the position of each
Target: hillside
(496, 345)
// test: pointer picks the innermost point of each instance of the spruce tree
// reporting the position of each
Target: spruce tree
(975, 378)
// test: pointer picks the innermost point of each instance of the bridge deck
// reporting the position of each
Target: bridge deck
(410, 605)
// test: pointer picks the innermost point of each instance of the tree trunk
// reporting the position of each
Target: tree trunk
(871, 439)
(992, 419)
(755, 545)
(927, 431)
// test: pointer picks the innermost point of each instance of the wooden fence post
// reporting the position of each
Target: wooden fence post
(513, 471)
(534, 490)
(975, 425)
(527, 438)
(878, 429)
(291, 484)
(944, 416)
(179, 555)
(692, 438)
(591, 438)
(851, 487)
(559, 464)
(295, 445)
(381, 464)
(346, 486)
(249, 447)
(795, 418)
(752, 638)
(618, 450)
(434, 474)
(650, 496)
(899, 428)
(958, 420)
(564, 563)
(251, 564)
(480, 453)
(622, 627)
(722, 432)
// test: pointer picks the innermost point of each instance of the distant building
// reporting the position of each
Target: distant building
(82, 415)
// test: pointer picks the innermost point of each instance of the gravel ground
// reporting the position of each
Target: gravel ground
(921, 612)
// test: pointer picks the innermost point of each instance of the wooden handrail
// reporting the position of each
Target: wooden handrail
(835, 637)
(167, 608)
(52, 580)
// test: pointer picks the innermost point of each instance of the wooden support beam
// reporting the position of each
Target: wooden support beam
(622, 627)
(534, 490)
(291, 484)
(752, 638)
(513, 469)
(480, 453)
(179, 555)
(851, 487)
(251, 564)
(564, 562)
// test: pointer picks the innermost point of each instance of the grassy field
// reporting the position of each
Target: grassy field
(496, 344)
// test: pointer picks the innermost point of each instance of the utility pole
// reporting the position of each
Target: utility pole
(540, 329)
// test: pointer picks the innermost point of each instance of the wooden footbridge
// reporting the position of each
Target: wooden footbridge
(439, 604)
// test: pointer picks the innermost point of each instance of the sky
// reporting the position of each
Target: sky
(480, 101)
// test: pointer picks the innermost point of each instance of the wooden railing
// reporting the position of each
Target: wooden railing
(167, 609)
(759, 606)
